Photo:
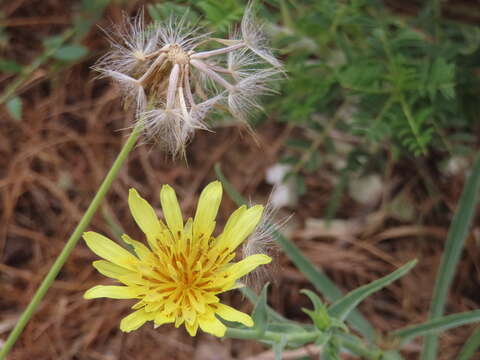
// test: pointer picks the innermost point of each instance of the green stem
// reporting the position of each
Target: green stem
(72, 241)
(411, 121)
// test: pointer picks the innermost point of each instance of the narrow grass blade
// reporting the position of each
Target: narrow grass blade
(231, 191)
(470, 348)
(320, 281)
(437, 325)
(344, 306)
(453, 248)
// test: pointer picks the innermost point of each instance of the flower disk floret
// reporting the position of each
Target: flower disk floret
(177, 278)
(174, 85)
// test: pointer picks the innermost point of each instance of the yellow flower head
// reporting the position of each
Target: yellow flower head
(177, 278)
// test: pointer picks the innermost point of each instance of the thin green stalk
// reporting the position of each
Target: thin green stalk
(471, 346)
(72, 241)
(411, 121)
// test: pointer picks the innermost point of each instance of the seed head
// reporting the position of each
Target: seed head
(262, 241)
(175, 76)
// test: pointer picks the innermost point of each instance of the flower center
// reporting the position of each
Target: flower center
(177, 55)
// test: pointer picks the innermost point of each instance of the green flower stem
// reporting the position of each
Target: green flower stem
(72, 241)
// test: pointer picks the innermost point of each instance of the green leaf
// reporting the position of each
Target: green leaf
(313, 162)
(298, 144)
(436, 326)
(301, 187)
(286, 326)
(470, 348)
(331, 350)
(69, 53)
(357, 346)
(94, 6)
(87, 15)
(286, 16)
(362, 76)
(320, 281)
(442, 78)
(9, 66)
(317, 303)
(50, 44)
(457, 233)
(53, 42)
(220, 13)
(390, 355)
(14, 107)
(259, 314)
(319, 315)
(163, 11)
(341, 308)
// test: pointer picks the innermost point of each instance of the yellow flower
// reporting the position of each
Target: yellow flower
(178, 277)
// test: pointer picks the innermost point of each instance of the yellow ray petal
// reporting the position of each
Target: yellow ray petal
(107, 249)
(144, 215)
(153, 307)
(171, 210)
(189, 315)
(109, 269)
(209, 298)
(186, 240)
(131, 279)
(161, 319)
(212, 326)
(138, 305)
(232, 220)
(187, 230)
(198, 304)
(141, 250)
(248, 264)
(179, 320)
(110, 291)
(192, 328)
(135, 320)
(207, 209)
(230, 314)
(240, 227)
